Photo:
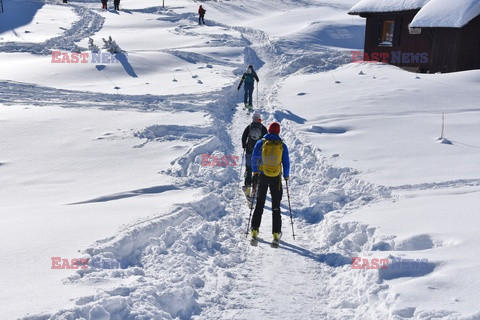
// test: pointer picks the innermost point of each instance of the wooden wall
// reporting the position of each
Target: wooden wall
(403, 41)
(448, 49)
(469, 55)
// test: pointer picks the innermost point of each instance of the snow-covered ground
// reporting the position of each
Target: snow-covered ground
(103, 161)
(392, 137)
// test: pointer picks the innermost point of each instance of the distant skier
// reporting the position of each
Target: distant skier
(252, 133)
(104, 4)
(248, 79)
(201, 15)
(64, 1)
(269, 156)
(116, 4)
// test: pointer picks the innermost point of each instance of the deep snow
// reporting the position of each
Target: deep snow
(104, 161)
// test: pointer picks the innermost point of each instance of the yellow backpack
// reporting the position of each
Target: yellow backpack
(272, 151)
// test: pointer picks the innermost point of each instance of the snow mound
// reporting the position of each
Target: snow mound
(401, 268)
(168, 259)
(335, 188)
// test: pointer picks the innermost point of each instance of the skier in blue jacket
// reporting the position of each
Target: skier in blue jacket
(248, 79)
(269, 156)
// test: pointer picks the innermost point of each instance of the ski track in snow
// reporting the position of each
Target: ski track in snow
(195, 263)
(89, 23)
(439, 185)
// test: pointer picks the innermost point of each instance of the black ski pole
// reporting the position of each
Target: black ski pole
(290, 208)
(241, 166)
(254, 191)
(258, 88)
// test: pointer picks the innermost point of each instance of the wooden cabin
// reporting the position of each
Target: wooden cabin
(422, 35)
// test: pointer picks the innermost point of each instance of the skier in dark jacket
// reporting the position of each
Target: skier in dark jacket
(252, 133)
(248, 79)
(269, 156)
(201, 15)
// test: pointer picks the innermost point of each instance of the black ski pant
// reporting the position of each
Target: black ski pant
(248, 169)
(116, 4)
(248, 93)
(275, 185)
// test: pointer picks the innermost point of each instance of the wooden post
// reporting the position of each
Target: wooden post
(443, 125)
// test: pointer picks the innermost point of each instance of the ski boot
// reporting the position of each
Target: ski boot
(254, 240)
(276, 239)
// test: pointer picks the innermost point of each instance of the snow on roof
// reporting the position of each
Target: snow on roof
(433, 13)
(365, 6)
(446, 14)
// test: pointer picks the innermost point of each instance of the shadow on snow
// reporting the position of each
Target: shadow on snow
(330, 259)
(126, 65)
(18, 13)
(129, 194)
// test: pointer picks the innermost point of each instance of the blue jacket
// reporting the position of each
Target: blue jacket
(257, 155)
(249, 79)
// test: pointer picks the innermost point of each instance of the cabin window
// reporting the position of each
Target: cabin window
(387, 32)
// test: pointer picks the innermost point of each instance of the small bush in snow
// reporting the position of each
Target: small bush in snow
(111, 45)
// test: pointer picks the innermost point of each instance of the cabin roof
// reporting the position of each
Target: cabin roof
(377, 6)
(431, 14)
(446, 14)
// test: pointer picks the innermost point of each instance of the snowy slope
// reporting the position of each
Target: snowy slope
(104, 161)
(37, 22)
(392, 139)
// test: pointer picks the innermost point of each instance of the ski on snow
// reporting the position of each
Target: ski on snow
(275, 244)
(248, 108)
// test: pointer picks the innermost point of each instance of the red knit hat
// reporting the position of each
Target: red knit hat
(274, 128)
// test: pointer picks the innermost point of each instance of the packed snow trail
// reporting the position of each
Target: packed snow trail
(311, 274)
(195, 262)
